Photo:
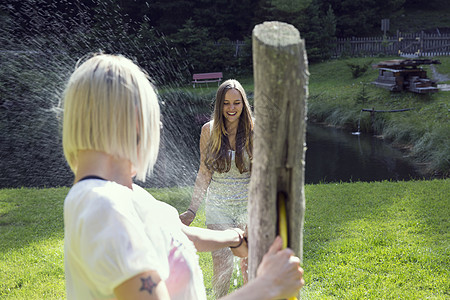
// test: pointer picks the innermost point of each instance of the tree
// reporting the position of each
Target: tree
(225, 18)
(192, 44)
(290, 5)
(168, 16)
(361, 18)
(318, 29)
(431, 4)
(316, 25)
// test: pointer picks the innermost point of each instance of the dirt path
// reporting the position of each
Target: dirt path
(438, 77)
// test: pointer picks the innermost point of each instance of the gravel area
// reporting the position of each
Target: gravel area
(438, 77)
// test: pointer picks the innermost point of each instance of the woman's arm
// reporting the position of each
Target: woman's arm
(202, 181)
(207, 240)
(279, 276)
(146, 285)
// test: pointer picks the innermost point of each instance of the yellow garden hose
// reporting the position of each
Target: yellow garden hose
(282, 222)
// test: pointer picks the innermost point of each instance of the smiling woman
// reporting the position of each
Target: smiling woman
(232, 109)
(224, 173)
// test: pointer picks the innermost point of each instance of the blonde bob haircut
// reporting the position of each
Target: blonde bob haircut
(111, 106)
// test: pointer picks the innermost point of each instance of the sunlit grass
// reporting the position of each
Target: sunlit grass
(380, 240)
(31, 247)
(377, 240)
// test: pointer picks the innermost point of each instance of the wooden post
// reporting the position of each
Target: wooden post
(281, 89)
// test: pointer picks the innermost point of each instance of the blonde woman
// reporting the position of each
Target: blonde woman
(224, 174)
(119, 241)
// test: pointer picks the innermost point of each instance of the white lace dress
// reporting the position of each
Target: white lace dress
(227, 196)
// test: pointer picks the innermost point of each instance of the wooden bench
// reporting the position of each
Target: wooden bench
(207, 77)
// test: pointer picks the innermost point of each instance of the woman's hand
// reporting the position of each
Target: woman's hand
(281, 269)
(187, 217)
(242, 248)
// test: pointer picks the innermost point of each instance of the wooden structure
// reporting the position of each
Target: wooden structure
(207, 77)
(405, 75)
(373, 111)
(281, 89)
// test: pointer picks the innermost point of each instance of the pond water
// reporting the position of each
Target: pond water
(336, 155)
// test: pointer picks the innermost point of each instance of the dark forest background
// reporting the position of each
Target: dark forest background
(198, 33)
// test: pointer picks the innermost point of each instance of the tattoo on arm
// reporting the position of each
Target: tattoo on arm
(147, 285)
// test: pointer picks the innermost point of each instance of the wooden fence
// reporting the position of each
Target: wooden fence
(420, 44)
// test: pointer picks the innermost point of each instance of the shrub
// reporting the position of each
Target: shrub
(358, 69)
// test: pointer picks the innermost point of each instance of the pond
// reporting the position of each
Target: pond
(335, 155)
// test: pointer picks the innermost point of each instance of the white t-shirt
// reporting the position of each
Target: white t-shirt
(113, 233)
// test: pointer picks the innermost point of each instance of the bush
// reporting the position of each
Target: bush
(358, 70)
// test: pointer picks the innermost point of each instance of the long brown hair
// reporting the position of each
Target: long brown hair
(218, 157)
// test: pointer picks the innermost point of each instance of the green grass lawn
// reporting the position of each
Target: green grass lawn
(380, 240)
